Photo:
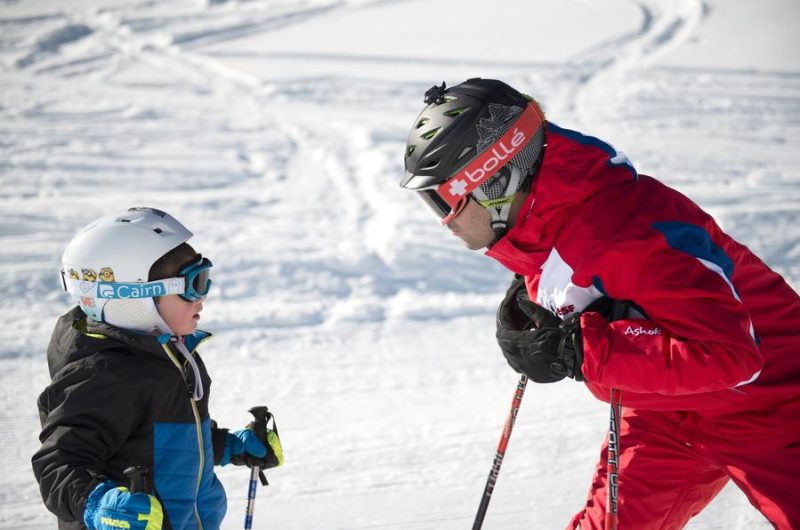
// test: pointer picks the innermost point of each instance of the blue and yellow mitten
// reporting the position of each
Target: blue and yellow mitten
(111, 507)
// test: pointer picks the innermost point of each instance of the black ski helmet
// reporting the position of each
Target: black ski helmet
(456, 126)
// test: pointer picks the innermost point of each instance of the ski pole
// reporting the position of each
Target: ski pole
(261, 415)
(612, 466)
(501, 451)
(138, 477)
(619, 311)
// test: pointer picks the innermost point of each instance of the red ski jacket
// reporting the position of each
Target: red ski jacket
(717, 333)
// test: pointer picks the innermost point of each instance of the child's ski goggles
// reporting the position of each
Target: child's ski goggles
(197, 276)
(192, 283)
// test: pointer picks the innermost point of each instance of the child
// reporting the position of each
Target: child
(129, 389)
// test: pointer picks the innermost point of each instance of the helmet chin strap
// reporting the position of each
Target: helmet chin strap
(163, 328)
(149, 321)
(500, 208)
(197, 391)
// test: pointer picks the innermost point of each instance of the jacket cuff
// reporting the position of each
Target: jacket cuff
(218, 437)
(94, 500)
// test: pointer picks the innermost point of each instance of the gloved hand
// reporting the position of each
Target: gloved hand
(534, 341)
(246, 448)
(537, 343)
(111, 507)
(517, 311)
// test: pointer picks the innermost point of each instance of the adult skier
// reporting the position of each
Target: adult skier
(705, 350)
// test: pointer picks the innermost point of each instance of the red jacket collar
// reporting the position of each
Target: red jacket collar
(575, 167)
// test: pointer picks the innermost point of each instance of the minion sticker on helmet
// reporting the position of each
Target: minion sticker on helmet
(479, 139)
(106, 274)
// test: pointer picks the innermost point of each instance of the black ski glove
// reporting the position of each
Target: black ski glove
(534, 341)
(537, 343)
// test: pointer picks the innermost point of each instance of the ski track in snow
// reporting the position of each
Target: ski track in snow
(664, 25)
(337, 298)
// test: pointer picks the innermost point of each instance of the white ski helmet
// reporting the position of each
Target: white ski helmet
(110, 254)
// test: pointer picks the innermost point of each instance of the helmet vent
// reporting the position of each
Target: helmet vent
(431, 165)
(430, 134)
(464, 152)
(422, 122)
(410, 150)
(163, 230)
(455, 112)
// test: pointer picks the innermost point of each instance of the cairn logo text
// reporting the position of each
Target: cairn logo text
(130, 290)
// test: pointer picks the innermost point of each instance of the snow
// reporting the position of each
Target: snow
(274, 129)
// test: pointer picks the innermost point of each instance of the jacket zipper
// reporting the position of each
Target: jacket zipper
(202, 460)
(198, 429)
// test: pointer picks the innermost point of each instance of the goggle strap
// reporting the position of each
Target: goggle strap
(123, 290)
(511, 143)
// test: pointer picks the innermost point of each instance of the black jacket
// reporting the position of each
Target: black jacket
(119, 399)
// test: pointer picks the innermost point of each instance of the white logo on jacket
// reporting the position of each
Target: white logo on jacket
(636, 331)
(556, 291)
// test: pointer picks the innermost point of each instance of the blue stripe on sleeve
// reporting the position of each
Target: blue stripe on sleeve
(575, 136)
(695, 241)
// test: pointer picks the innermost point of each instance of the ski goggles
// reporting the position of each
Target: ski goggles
(197, 278)
(440, 207)
(192, 283)
(450, 197)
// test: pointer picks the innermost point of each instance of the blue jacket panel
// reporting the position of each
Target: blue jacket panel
(177, 462)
